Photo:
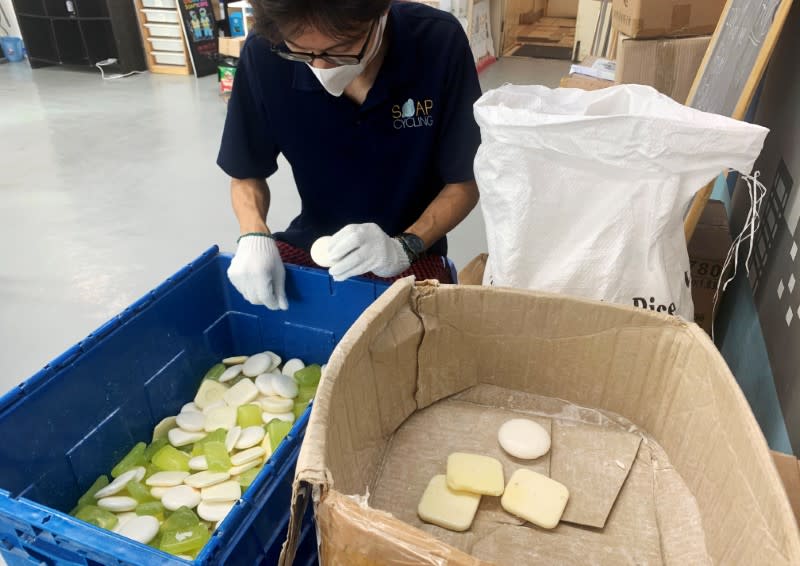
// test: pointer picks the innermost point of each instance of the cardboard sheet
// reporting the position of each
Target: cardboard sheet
(593, 463)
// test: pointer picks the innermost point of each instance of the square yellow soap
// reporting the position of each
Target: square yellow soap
(475, 473)
(535, 498)
(449, 509)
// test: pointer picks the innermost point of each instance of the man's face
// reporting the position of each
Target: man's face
(309, 40)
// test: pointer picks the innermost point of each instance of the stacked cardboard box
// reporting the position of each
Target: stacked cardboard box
(662, 42)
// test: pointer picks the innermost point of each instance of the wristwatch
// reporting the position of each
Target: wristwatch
(412, 245)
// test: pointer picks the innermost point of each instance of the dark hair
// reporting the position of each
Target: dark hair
(277, 20)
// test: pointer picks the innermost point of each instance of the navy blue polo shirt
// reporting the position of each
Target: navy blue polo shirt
(384, 161)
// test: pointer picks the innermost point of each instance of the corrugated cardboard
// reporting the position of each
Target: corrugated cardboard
(584, 82)
(707, 251)
(472, 273)
(789, 470)
(562, 9)
(231, 46)
(666, 18)
(702, 490)
(668, 65)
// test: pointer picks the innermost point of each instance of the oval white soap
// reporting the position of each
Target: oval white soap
(319, 251)
(524, 439)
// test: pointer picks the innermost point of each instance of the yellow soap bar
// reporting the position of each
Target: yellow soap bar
(475, 473)
(535, 498)
(449, 509)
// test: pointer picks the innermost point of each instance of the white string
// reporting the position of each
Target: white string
(116, 76)
(757, 192)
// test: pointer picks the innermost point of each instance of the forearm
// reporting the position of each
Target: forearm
(250, 199)
(448, 209)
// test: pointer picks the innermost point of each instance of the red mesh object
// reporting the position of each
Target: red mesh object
(427, 267)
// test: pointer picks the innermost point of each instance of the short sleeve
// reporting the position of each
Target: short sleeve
(248, 149)
(460, 136)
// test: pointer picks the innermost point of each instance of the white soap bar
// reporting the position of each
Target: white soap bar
(449, 509)
(163, 427)
(221, 417)
(215, 405)
(124, 518)
(206, 479)
(288, 417)
(191, 421)
(292, 366)
(180, 496)
(256, 365)
(234, 360)
(232, 438)
(264, 384)
(242, 393)
(214, 512)
(535, 498)
(236, 470)
(251, 436)
(166, 479)
(142, 529)
(320, 251)
(226, 491)
(117, 503)
(247, 456)
(120, 482)
(524, 439)
(179, 437)
(475, 473)
(276, 360)
(231, 373)
(274, 404)
(198, 463)
(285, 386)
(210, 391)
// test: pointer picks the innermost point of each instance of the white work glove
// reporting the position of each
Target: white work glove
(258, 274)
(360, 248)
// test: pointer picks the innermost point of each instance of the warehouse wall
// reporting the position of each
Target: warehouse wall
(8, 9)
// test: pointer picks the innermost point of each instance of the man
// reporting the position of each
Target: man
(370, 101)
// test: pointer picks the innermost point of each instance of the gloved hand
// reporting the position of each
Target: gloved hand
(360, 248)
(258, 274)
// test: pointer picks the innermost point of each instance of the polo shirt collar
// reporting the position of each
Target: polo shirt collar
(400, 57)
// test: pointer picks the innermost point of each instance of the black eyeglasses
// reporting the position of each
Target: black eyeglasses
(333, 59)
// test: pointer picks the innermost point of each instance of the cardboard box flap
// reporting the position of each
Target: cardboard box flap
(425, 344)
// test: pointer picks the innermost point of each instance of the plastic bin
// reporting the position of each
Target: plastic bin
(78, 416)
(159, 4)
(164, 30)
(162, 44)
(169, 58)
(163, 16)
(12, 48)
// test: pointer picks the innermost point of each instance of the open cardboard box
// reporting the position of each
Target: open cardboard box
(428, 368)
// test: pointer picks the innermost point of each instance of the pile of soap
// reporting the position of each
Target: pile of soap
(173, 493)
(451, 501)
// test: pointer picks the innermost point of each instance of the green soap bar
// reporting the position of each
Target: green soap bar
(277, 431)
(217, 457)
(156, 542)
(248, 476)
(299, 409)
(154, 447)
(249, 415)
(306, 393)
(215, 372)
(154, 508)
(97, 517)
(171, 459)
(139, 492)
(183, 517)
(151, 469)
(188, 539)
(88, 497)
(216, 436)
(131, 460)
(309, 375)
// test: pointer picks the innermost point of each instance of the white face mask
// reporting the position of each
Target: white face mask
(336, 79)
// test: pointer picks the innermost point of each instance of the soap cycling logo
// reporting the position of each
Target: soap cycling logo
(413, 114)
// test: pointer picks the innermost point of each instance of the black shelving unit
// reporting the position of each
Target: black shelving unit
(81, 32)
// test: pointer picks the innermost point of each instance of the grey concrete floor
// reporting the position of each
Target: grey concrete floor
(108, 187)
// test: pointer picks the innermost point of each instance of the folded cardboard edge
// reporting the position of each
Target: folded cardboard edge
(789, 471)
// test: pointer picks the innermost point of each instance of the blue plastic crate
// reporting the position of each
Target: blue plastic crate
(73, 420)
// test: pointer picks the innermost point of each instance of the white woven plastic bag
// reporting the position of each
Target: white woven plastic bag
(584, 193)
